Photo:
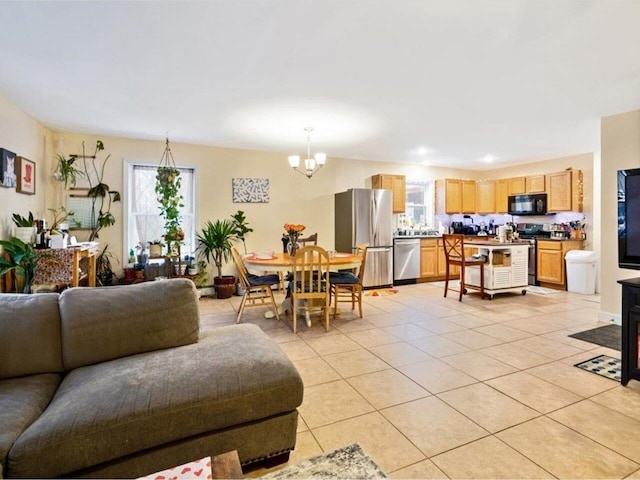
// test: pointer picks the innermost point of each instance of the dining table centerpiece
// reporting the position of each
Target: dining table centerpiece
(293, 232)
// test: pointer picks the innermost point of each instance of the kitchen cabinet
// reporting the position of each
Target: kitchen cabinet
(517, 185)
(535, 184)
(428, 258)
(565, 191)
(486, 196)
(395, 183)
(455, 196)
(468, 196)
(502, 195)
(550, 263)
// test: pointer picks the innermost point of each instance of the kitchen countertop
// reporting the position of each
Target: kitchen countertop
(473, 238)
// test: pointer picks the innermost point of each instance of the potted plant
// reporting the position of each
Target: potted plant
(104, 271)
(242, 227)
(25, 228)
(155, 248)
(66, 171)
(167, 189)
(214, 244)
(22, 261)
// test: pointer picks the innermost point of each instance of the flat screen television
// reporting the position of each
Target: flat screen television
(629, 218)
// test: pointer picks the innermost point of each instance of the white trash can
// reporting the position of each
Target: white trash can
(581, 271)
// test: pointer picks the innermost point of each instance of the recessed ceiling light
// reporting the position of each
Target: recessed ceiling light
(488, 159)
(422, 151)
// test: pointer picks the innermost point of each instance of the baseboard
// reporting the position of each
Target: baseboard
(607, 317)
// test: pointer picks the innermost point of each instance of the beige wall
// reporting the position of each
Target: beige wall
(22, 135)
(620, 149)
(293, 197)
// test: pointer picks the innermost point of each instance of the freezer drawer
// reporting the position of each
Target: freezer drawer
(378, 270)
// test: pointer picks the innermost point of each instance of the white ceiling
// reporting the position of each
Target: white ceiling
(520, 80)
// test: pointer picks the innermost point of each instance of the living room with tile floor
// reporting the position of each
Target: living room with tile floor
(435, 388)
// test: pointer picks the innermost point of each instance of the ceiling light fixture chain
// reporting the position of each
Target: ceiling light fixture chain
(311, 164)
(167, 157)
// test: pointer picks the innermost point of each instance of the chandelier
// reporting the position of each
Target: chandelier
(311, 164)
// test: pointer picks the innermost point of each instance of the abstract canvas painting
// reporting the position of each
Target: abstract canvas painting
(250, 190)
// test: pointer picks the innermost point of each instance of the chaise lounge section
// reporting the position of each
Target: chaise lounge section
(119, 382)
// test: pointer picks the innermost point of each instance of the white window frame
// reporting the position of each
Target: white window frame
(429, 199)
(129, 224)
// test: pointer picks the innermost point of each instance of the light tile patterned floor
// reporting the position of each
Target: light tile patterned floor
(434, 388)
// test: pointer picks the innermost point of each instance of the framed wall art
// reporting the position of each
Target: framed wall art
(26, 182)
(250, 190)
(7, 168)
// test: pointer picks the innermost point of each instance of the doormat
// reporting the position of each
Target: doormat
(346, 462)
(380, 292)
(604, 366)
(609, 336)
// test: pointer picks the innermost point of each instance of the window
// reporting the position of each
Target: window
(143, 215)
(420, 203)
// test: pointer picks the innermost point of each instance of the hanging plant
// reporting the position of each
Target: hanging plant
(168, 183)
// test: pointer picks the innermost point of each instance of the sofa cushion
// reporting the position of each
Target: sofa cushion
(22, 400)
(233, 375)
(29, 335)
(100, 324)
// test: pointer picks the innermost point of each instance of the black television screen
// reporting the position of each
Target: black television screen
(629, 218)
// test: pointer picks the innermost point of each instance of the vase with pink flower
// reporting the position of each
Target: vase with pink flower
(293, 231)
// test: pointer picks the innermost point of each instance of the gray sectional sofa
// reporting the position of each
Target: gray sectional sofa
(119, 382)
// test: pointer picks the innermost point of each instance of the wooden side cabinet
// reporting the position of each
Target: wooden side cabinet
(630, 323)
(455, 196)
(551, 271)
(565, 190)
(468, 196)
(395, 183)
(517, 185)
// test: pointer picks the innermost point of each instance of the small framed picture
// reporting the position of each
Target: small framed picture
(26, 171)
(8, 168)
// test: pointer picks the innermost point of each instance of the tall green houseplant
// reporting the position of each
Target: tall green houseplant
(242, 227)
(22, 260)
(168, 184)
(214, 244)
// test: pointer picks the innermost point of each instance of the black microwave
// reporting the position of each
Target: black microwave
(535, 204)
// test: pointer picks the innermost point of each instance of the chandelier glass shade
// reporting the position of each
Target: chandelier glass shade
(311, 164)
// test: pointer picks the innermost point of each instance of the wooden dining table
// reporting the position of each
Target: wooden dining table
(282, 262)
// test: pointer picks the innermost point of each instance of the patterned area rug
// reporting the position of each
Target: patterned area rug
(604, 366)
(609, 336)
(380, 292)
(346, 462)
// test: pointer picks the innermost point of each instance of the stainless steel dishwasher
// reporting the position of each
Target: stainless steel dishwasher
(406, 259)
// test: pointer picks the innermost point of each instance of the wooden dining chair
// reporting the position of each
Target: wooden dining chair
(454, 254)
(310, 271)
(347, 286)
(310, 240)
(257, 288)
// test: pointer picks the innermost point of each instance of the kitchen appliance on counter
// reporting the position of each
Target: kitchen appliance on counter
(533, 204)
(531, 232)
(364, 215)
(406, 260)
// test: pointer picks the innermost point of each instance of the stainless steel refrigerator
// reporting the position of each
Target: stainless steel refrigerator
(363, 215)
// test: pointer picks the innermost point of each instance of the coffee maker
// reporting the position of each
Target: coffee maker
(456, 227)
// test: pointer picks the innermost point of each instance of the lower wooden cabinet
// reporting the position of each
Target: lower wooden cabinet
(550, 261)
(428, 258)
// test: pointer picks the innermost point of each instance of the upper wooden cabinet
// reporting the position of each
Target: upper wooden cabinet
(396, 183)
(517, 185)
(455, 196)
(468, 196)
(564, 190)
(486, 196)
(502, 195)
(535, 184)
